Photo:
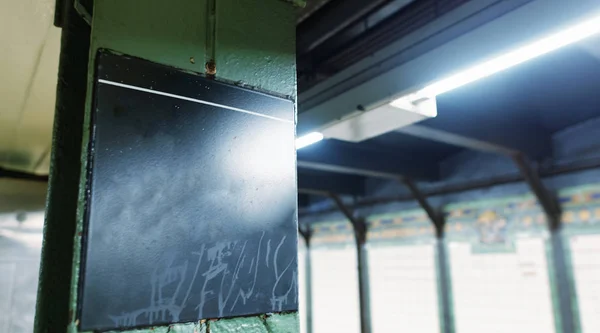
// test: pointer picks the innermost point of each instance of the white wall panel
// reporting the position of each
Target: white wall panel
(404, 295)
(501, 292)
(335, 290)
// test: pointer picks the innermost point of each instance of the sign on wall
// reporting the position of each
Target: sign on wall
(191, 208)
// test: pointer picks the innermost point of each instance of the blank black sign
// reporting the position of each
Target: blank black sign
(191, 212)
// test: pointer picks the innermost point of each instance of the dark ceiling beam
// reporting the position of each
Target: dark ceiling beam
(5, 173)
(59, 7)
(318, 193)
(346, 158)
(335, 183)
(576, 166)
(326, 167)
(369, 26)
(330, 19)
(303, 200)
(428, 133)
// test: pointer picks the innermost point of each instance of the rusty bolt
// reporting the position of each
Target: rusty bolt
(211, 67)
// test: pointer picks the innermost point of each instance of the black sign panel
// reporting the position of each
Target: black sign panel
(192, 205)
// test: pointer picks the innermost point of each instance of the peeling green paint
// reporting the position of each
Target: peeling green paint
(274, 323)
(239, 325)
(283, 323)
(177, 328)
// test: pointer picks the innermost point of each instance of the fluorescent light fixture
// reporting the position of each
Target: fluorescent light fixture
(381, 120)
(510, 59)
(308, 139)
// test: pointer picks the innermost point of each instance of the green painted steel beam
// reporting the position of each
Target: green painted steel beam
(247, 42)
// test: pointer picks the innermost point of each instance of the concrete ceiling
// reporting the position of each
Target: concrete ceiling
(28, 74)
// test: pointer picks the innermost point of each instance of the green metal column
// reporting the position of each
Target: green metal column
(247, 42)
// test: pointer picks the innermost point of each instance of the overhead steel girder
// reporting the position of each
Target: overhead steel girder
(438, 220)
(344, 158)
(336, 183)
(509, 145)
(335, 168)
(545, 198)
(360, 235)
(469, 186)
(471, 33)
(5, 173)
(329, 20)
(428, 133)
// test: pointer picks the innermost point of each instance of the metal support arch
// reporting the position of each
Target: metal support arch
(438, 220)
(436, 217)
(360, 235)
(552, 210)
(546, 199)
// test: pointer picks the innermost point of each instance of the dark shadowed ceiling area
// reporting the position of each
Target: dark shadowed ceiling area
(518, 110)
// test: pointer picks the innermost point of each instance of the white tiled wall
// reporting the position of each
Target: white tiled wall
(335, 290)
(404, 295)
(501, 292)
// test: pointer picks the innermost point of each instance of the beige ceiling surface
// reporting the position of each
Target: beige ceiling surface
(28, 75)
(20, 195)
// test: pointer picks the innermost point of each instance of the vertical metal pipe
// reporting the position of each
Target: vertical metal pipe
(308, 286)
(54, 288)
(445, 287)
(562, 281)
(360, 235)
(363, 277)
(307, 234)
